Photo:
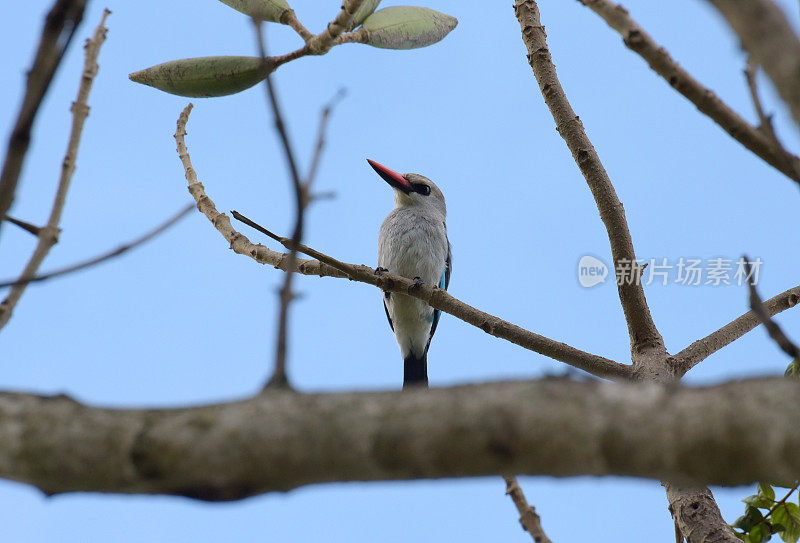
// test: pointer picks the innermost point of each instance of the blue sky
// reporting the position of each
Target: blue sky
(183, 320)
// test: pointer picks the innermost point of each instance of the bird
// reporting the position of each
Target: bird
(413, 242)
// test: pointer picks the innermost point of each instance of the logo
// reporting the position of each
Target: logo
(591, 271)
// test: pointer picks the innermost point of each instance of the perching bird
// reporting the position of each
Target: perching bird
(413, 243)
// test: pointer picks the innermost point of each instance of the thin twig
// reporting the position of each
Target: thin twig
(28, 227)
(83, 264)
(289, 17)
(321, 131)
(774, 331)
(705, 347)
(322, 42)
(706, 101)
(528, 517)
(644, 336)
(60, 25)
(279, 376)
(48, 236)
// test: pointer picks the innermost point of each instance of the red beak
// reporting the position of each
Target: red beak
(392, 177)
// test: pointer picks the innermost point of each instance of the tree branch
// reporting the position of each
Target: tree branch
(59, 27)
(144, 238)
(774, 331)
(768, 37)
(322, 42)
(281, 440)
(48, 236)
(644, 336)
(326, 266)
(528, 517)
(706, 101)
(697, 515)
(705, 347)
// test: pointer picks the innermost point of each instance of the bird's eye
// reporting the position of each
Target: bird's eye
(422, 189)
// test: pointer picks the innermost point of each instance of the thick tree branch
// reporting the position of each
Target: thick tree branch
(705, 347)
(48, 236)
(769, 38)
(281, 440)
(528, 517)
(326, 266)
(697, 515)
(644, 336)
(637, 40)
(59, 27)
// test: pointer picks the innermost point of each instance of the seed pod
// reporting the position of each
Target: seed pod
(407, 27)
(366, 9)
(203, 77)
(266, 10)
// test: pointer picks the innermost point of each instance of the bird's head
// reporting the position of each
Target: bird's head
(412, 189)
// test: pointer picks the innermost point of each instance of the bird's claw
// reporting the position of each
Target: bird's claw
(417, 284)
(380, 271)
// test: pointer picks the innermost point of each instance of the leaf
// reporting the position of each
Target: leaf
(266, 10)
(751, 517)
(407, 27)
(759, 500)
(759, 533)
(794, 512)
(203, 77)
(366, 9)
(766, 490)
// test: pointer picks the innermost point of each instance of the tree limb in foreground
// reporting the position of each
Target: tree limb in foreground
(729, 434)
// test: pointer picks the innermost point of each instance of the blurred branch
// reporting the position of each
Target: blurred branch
(707, 102)
(104, 256)
(528, 517)
(644, 336)
(769, 39)
(279, 376)
(774, 331)
(59, 27)
(326, 266)
(705, 347)
(48, 236)
(281, 440)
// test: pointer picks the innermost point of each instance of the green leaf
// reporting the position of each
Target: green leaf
(759, 500)
(759, 534)
(203, 77)
(781, 516)
(751, 517)
(366, 9)
(766, 490)
(794, 512)
(266, 10)
(407, 27)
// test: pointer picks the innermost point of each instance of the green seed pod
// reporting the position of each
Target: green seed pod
(203, 77)
(407, 27)
(366, 9)
(266, 10)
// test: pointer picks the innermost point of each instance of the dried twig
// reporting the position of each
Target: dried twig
(644, 336)
(706, 101)
(326, 266)
(28, 227)
(60, 25)
(48, 236)
(528, 517)
(144, 238)
(774, 331)
(705, 347)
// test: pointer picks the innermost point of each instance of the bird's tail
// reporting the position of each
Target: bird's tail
(415, 370)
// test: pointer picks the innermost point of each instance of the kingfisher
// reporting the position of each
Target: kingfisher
(413, 243)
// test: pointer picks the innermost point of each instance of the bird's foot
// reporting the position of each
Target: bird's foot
(380, 271)
(417, 285)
